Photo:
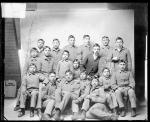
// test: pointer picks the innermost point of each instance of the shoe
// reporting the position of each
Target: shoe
(16, 108)
(39, 113)
(114, 117)
(32, 113)
(57, 114)
(123, 113)
(83, 115)
(75, 116)
(46, 117)
(133, 112)
(115, 111)
(21, 113)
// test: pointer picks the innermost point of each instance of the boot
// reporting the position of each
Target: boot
(16, 108)
(57, 114)
(22, 112)
(75, 116)
(39, 113)
(133, 112)
(46, 117)
(123, 113)
(83, 115)
(115, 111)
(114, 117)
(32, 112)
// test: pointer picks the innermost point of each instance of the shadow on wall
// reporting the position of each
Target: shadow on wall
(139, 60)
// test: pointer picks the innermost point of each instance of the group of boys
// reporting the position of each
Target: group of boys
(95, 80)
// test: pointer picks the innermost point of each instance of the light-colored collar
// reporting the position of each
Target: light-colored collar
(56, 50)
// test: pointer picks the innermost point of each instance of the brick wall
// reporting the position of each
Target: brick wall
(11, 60)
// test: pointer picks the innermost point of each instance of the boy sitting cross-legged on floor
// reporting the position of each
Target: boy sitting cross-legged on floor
(94, 103)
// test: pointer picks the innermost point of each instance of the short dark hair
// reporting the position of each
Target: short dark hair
(105, 37)
(83, 71)
(76, 60)
(52, 73)
(122, 61)
(41, 40)
(86, 36)
(105, 68)
(69, 71)
(95, 78)
(119, 38)
(96, 45)
(71, 36)
(56, 40)
(47, 47)
(66, 51)
(33, 49)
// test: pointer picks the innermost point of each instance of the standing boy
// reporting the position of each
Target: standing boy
(76, 69)
(121, 53)
(85, 48)
(56, 52)
(46, 62)
(71, 48)
(90, 62)
(40, 46)
(105, 52)
(63, 65)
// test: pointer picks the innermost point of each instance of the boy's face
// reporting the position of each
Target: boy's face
(75, 65)
(96, 50)
(40, 44)
(56, 44)
(69, 76)
(47, 51)
(71, 41)
(32, 69)
(52, 77)
(65, 56)
(106, 73)
(86, 40)
(119, 43)
(122, 66)
(34, 54)
(105, 41)
(83, 76)
(94, 83)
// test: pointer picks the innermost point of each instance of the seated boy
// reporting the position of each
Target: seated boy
(76, 68)
(124, 85)
(84, 91)
(29, 87)
(106, 81)
(48, 99)
(68, 89)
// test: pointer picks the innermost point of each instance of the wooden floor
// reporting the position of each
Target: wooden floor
(10, 114)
